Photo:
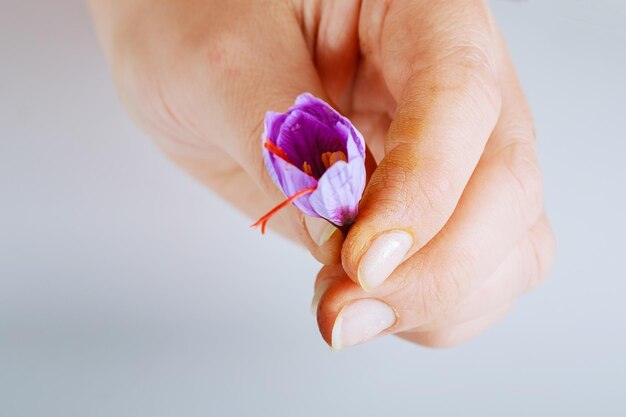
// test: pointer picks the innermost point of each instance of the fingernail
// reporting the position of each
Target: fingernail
(319, 290)
(361, 321)
(319, 229)
(383, 256)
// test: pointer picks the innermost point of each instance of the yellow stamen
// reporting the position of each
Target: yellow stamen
(329, 158)
(307, 168)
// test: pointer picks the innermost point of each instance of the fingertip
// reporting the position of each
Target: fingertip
(330, 252)
(360, 321)
(370, 258)
(320, 230)
(336, 295)
(323, 240)
(326, 321)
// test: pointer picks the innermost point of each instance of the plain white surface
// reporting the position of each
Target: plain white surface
(126, 289)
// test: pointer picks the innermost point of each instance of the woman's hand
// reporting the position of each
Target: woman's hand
(451, 227)
(199, 77)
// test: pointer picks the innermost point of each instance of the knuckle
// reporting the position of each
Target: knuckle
(144, 88)
(542, 251)
(370, 29)
(521, 163)
(155, 105)
(469, 67)
(463, 74)
(155, 111)
(472, 56)
(532, 266)
(160, 104)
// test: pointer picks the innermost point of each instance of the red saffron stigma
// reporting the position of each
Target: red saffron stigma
(263, 220)
(276, 150)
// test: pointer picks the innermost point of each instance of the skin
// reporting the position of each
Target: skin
(429, 84)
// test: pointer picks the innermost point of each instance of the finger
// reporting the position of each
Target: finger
(331, 31)
(522, 270)
(328, 276)
(459, 333)
(493, 215)
(500, 204)
(448, 99)
(243, 76)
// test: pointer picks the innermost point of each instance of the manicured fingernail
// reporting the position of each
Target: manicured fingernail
(319, 229)
(320, 289)
(361, 321)
(383, 256)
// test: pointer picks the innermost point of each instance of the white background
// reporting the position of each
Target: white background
(126, 289)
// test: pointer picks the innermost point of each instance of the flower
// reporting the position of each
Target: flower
(317, 158)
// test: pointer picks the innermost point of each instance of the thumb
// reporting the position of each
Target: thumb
(448, 105)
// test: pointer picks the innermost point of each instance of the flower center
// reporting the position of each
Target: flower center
(327, 158)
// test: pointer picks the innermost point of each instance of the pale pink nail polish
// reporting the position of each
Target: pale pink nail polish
(360, 321)
(319, 229)
(383, 256)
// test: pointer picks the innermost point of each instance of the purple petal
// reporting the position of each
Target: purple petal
(330, 117)
(290, 180)
(317, 108)
(339, 191)
(273, 122)
(308, 130)
(355, 144)
(270, 161)
(305, 138)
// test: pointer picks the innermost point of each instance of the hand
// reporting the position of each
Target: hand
(451, 228)
(430, 86)
(199, 77)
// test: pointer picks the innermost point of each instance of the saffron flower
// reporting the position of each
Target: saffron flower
(317, 158)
